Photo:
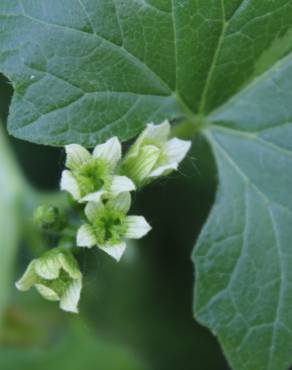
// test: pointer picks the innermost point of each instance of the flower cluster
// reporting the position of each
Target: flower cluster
(101, 182)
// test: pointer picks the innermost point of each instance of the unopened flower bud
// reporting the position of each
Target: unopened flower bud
(48, 217)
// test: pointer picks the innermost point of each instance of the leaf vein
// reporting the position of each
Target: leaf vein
(124, 52)
(214, 61)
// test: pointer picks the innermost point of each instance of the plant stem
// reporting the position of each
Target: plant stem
(187, 128)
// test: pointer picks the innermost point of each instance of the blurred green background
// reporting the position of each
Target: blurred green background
(133, 315)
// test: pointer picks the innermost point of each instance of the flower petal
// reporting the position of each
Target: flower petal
(86, 236)
(69, 264)
(110, 151)
(48, 266)
(121, 184)
(69, 301)
(68, 183)
(121, 202)
(28, 279)
(164, 170)
(92, 210)
(93, 197)
(47, 293)
(138, 168)
(76, 156)
(158, 133)
(176, 149)
(116, 251)
(137, 227)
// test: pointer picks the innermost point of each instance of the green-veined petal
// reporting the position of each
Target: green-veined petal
(121, 202)
(76, 156)
(137, 227)
(48, 266)
(176, 149)
(69, 183)
(164, 170)
(86, 236)
(93, 197)
(139, 167)
(47, 293)
(69, 264)
(121, 184)
(93, 210)
(28, 279)
(69, 300)
(116, 251)
(158, 133)
(110, 151)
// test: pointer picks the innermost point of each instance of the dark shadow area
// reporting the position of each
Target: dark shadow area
(41, 164)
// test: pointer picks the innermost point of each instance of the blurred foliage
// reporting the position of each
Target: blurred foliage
(78, 349)
(143, 304)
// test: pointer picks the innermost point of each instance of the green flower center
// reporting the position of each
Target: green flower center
(110, 227)
(59, 285)
(92, 176)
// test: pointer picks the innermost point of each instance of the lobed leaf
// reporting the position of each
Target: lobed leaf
(85, 70)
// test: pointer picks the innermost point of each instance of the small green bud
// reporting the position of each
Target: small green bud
(56, 276)
(153, 154)
(48, 217)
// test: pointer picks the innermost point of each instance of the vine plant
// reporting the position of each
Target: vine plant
(89, 72)
(96, 181)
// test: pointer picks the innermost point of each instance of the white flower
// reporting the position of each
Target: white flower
(153, 155)
(56, 276)
(91, 176)
(109, 226)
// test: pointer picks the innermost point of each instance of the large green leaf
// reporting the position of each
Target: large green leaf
(244, 254)
(84, 70)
